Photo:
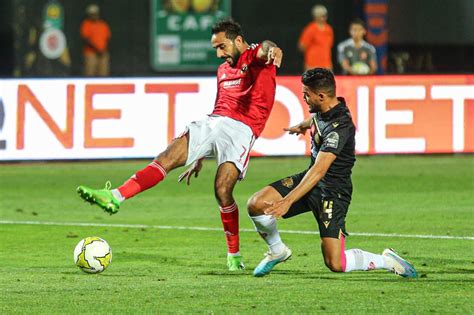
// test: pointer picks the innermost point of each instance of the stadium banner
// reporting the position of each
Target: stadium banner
(376, 14)
(180, 32)
(43, 119)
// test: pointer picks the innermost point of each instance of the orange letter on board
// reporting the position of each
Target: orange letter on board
(171, 90)
(26, 95)
(92, 114)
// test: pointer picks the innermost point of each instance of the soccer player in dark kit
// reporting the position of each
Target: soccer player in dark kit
(245, 96)
(325, 188)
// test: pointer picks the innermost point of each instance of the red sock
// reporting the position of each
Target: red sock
(230, 221)
(142, 180)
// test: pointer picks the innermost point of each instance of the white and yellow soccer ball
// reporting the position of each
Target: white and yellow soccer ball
(92, 254)
(360, 68)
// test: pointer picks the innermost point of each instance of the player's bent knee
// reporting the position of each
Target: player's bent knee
(222, 192)
(223, 195)
(254, 206)
(333, 265)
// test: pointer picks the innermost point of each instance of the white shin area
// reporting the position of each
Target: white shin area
(357, 259)
(266, 226)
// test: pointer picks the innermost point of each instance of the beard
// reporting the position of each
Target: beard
(232, 58)
(314, 108)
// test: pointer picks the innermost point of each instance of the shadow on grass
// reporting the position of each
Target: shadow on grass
(393, 279)
(245, 273)
(143, 257)
(106, 274)
(457, 271)
(381, 276)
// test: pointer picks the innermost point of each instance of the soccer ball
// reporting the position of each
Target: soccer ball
(360, 68)
(92, 254)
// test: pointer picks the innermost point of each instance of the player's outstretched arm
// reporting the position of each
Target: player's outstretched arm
(270, 52)
(312, 177)
(194, 169)
(300, 128)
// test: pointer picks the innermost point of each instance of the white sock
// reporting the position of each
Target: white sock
(233, 254)
(117, 195)
(266, 226)
(357, 259)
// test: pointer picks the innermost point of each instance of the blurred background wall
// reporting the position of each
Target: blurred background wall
(424, 36)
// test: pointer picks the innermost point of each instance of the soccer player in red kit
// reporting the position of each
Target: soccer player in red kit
(245, 96)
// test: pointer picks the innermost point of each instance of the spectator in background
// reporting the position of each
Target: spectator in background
(316, 40)
(96, 35)
(355, 55)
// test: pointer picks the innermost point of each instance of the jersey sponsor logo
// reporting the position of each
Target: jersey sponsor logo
(232, 83)
(287, 182)
(332, 140)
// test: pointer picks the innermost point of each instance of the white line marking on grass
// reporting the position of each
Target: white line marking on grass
(196, 228)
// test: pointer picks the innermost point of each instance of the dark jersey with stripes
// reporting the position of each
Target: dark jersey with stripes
(334, 131)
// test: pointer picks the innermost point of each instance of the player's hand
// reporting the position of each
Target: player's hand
(275, 55)
(278, 208)
(297, 129)
(194, 169)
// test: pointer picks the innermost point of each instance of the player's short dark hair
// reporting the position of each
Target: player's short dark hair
(357, 21)
(231, 28)
(320, 80)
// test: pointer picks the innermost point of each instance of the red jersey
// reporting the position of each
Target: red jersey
(246, 92)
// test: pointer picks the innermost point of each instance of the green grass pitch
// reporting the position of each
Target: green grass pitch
(158, 270)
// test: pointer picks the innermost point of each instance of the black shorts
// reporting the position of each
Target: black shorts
(328, 208)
